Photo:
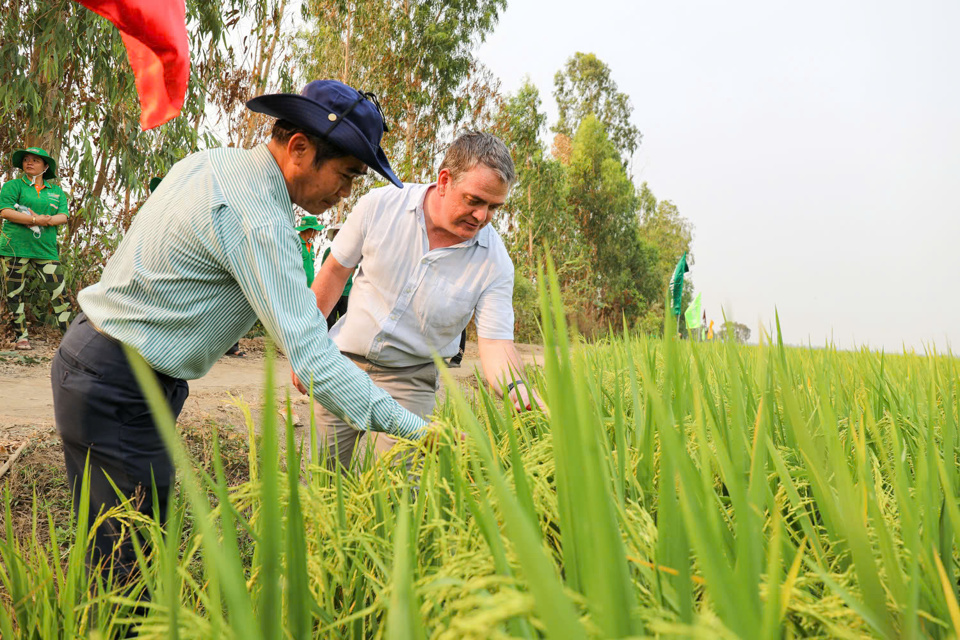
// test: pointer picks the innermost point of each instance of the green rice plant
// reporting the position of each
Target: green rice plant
(675, 489)
(44, 597)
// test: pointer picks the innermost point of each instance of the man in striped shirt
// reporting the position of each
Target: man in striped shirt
(212, 250)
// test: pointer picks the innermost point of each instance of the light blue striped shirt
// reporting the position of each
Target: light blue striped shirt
(212, 250)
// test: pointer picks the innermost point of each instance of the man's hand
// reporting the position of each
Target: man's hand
(503, 366)
(296, 382)
(525, 399)
(436, 433)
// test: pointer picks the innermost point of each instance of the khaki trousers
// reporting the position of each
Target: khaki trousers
(414, 388)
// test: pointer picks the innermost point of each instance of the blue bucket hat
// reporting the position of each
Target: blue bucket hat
(336, 112)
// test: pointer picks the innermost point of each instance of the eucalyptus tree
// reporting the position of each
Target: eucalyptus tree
(66, 85)
(662, 225)
(604, 203)
(417, 56)
(585, 86)
(536, 213)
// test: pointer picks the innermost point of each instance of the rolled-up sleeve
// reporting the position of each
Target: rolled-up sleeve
(265, 261)
(495, 309)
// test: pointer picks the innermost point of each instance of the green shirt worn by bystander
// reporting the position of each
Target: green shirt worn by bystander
(20, 241)
(308, 229)
(306, 252)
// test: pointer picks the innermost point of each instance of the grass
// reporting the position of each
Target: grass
(676, 489)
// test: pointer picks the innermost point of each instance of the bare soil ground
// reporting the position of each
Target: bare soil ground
(26, 399)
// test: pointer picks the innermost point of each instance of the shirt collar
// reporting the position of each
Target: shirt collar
(415, 205)
(30, 182)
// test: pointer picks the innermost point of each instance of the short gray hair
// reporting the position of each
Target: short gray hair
(476, 147)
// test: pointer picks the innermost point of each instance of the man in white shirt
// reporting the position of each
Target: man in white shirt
(430, 261)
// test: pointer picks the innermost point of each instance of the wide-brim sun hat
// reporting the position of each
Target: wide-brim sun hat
(336, 112)
(19, 154)
(333, 229)
(309, 222)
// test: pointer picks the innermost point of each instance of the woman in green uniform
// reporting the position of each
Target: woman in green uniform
(32, 209)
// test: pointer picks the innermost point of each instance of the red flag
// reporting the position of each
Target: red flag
(155, 35)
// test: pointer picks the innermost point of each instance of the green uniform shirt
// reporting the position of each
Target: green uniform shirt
(346, 287)
(306, 252)
(20, 241)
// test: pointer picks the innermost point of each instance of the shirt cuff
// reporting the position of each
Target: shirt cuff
(401, 423)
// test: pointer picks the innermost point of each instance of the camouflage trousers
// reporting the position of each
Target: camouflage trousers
(15, 274)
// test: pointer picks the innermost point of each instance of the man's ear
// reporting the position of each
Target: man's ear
(444, 180)
(300, 149)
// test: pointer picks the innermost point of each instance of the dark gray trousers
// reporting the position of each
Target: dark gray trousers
(102, 414)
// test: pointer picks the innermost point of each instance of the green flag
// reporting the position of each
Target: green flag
(694, 313)
(676, 283)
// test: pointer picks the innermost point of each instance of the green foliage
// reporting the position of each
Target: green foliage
(586, 87)
(80, 103)
(604, 204)
(662, 225)
(615, 247)
(539, 213)
(676, 489)
(417, 56)
(526, 320)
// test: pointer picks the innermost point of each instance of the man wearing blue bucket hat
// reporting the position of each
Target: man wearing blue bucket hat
(213, 249)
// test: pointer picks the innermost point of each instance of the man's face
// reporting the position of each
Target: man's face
(33, 165)
(317, 190)
(308, 235)
(469, 204)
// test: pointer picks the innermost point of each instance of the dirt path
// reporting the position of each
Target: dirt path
(26, 401)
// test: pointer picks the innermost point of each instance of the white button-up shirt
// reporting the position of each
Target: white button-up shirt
(407, 301)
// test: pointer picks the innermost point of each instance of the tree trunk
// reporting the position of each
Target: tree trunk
(345, 76)
(266, 48)
(47, 133)
(125, 223)
(530, 223)
(411, 121)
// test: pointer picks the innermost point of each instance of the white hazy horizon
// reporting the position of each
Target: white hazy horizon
(812, 146)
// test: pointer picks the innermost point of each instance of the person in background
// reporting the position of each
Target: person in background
(429, 259)
(308, 230)
(32, 210)
(457, 360)
(340, 308)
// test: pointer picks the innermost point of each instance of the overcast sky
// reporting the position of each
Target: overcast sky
(815, 146)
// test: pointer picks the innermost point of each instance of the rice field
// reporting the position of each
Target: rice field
(676, 489)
